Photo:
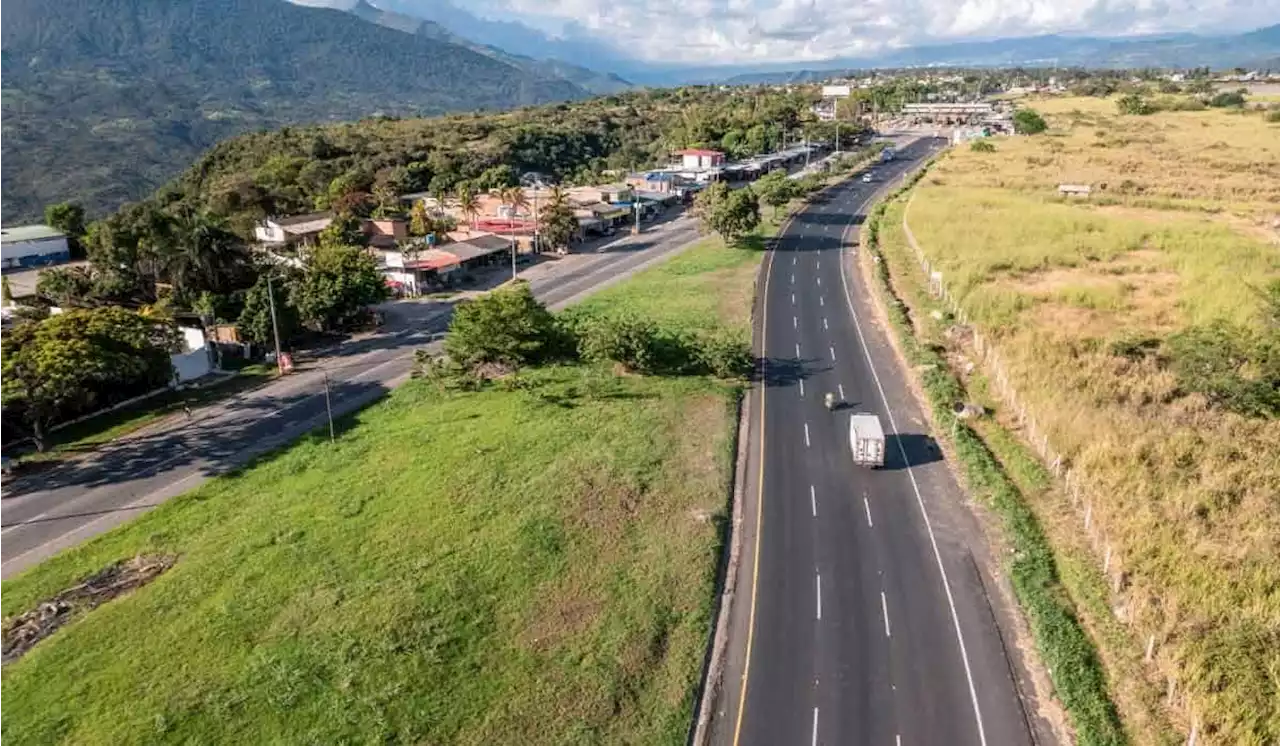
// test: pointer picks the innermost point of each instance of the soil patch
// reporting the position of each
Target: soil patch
(21, 633)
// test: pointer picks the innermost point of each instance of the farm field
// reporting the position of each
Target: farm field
(1140, 329)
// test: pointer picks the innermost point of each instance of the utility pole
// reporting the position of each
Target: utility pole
(636, 204)
(328, 406)
(275, 328)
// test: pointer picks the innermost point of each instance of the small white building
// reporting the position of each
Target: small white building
(302, 229)
(195, 360)
(33, 246)
(696, 158)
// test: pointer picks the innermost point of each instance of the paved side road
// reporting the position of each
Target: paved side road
(45, 513)
(863, 614)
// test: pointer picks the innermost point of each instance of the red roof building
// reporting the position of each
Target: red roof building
(697, 158)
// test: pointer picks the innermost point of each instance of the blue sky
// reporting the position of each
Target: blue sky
(737, 31)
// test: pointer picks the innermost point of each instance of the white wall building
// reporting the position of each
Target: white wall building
(33, 246)
(194, 361)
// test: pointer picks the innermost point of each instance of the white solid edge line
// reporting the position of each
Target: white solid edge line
(867, 505)
(884, 606)
(915, 486)
(806, 435)
(813, 501)
(819, 577)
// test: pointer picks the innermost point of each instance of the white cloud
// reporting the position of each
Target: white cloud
(735, 31)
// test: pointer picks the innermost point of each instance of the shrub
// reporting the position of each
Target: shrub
(982, 146)
(508, 326)
(1134, 105)
(724, 354)
(1227, 98)
(1028, 122)
(627, 340)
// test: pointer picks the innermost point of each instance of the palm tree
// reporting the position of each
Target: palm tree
(468, 205)
(203, 256)
(514, 197)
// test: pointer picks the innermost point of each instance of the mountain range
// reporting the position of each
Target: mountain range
(104, 100)
(1257, 49)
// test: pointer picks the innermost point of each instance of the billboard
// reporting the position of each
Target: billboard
(835, 91)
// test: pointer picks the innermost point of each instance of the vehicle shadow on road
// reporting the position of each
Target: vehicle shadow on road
(920, 449)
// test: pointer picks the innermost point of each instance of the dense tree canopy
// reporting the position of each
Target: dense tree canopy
(729, 212)
(81, 359)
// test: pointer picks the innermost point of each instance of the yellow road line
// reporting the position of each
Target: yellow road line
(755, 567)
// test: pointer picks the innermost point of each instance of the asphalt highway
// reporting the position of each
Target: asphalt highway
(861, 616)
(46, 512)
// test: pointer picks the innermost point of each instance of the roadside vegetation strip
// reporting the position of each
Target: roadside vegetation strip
(1138, 329)
(1061, 641)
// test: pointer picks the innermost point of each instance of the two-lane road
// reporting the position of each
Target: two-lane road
(857, 623)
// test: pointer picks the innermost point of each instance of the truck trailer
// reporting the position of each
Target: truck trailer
(866, 440)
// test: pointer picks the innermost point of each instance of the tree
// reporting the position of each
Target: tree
(343, 231)
(730, 213)
(386, 202)
(255, 320)
(508, 327)
(204, 256)
(496, 178)
(337, 283)
(558, 225)
(1028, 122)
(515, 199)
(468, 205)
(62, 365)
(67, 217)
(66, 287)
(419, 221)
(775, 189)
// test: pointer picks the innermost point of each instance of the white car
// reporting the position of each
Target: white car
(867, 178)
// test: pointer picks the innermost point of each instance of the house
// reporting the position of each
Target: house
(614, 194)
(295, 230)
(696, 158)
(33, 246)
(412, 272)
(384, 233)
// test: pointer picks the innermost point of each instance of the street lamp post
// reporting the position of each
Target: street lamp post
(275, 328)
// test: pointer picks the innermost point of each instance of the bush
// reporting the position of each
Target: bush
(1028, 122)
(627, 340)
(1227, 98)
(724, 354)
(982, 146)
(1228, 366)
(1134, 105)
(507, 327)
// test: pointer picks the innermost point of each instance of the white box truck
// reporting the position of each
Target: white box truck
(866, 440)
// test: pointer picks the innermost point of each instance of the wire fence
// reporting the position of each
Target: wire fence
(1071, 478)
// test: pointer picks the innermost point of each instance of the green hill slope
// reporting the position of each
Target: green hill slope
(104, 100)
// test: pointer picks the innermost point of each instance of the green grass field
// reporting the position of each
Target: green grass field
(531, 565)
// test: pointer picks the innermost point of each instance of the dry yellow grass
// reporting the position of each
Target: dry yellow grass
(1187, 496)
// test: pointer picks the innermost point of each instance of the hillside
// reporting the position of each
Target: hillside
(589, 80)
(105, 100)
